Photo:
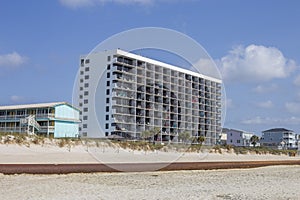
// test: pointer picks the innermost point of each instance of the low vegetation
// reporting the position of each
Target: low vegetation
(140, 145)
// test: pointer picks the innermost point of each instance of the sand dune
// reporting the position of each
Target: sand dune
(13, 153)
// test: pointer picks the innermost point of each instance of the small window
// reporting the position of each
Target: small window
(108, 83)
(80, 96)
(84, 134)
(86, 93)
(81, 88)
(108, 58)
(82, 62)
(80, 104)
(85, 109)
(86, 77)
(80, 112)
(84, 126)
(107, 100)
(81, 72)
(108, 75)
(107, 117)
(81, 80)
(106, 126)
(86, 85)
(87, 69)
(106, 133)
(107, 108)
(107, 92)
(86, 101)
(79, 128)
(108, 67)
(85, 117)
(87, 61)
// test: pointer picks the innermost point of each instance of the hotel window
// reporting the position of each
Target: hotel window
(107, 108)
(107, 117)
(106, 126)
(107, 100)
(87, 61)
(80, 104)
(87, 69)
(106, 133)
(108, 75)
(80, 96)
(107, 92)
(81, 72)
(81, 88)
(108, 67)
(84, 134)
(86, 93)
(82, 62)
(84, 126)
(86, 77)
(108, 58)
(108, 83)
(81, 80)
(86, 85)
(86, 101)
(85, 117)
(85, 109)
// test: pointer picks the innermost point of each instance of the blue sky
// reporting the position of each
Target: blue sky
(254, 43)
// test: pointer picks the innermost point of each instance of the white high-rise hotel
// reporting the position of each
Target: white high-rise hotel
(136, 93)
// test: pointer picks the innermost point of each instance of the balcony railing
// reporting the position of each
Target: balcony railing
(17, 117)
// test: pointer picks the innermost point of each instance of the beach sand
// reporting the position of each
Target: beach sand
(49, 154)
(273, 182)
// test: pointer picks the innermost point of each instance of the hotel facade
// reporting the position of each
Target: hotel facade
(57, 119)
(124, 94)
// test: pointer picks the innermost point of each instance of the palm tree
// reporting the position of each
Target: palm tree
(184, 136)
(254, 139)
(149, 134)
(146, 134)
(201, 139)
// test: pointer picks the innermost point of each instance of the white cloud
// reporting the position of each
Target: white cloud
(265, 88)
(207, 67)
(265, 104)
(272, 121)
(12, 60)
(293, 107)
(255, 63)
(297, 80)
(17, 99)
(86, 3)
(229, 103)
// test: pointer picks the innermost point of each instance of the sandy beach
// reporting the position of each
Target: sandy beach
(51, 154)
(274, 182)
